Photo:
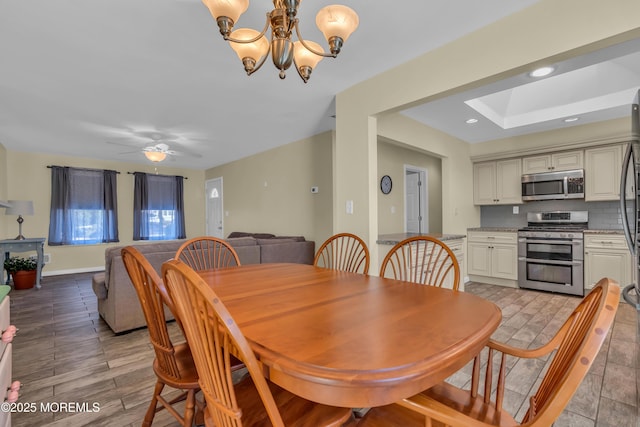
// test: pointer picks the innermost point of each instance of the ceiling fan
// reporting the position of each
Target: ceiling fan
(157, 152)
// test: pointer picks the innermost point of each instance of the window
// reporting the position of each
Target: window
(158, 207)
(83, 206)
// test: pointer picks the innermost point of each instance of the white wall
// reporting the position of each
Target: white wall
(270, 192)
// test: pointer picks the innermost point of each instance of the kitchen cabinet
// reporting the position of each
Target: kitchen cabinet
(457, 247)
(497, 182)
(492, 254)
(606, 255)
(602, 173)
(562, 161)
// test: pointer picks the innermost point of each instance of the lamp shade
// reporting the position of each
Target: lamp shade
(337, 21)
(305, 57)
(19, 207)
(230, 8)
(255, 50)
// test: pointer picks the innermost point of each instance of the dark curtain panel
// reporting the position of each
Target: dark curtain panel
(84, 207)
(158, 207)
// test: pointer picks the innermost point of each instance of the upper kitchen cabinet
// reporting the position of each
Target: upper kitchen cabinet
(562, 161)
(602, 173)
(497, 183)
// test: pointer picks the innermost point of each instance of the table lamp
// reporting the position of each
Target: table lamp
(19, 207)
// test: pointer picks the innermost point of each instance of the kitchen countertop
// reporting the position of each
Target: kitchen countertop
(503, 229)
(603, 231)
(392, 239)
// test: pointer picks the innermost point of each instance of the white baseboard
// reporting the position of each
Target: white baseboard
(72, 271)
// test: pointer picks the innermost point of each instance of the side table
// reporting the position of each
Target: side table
(36, 244)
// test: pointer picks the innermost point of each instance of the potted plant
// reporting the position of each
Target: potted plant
(22, 270)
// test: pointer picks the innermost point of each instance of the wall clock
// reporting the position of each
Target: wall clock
(385, 184)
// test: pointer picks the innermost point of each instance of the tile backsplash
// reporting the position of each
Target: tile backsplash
(602, 215)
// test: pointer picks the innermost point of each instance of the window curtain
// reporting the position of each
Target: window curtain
(158, 207)
(84, 207)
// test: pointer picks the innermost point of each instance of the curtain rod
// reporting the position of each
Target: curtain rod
(132, 173)
(83, 169)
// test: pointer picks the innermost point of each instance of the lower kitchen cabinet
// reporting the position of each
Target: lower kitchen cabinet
(606, 255)
(457, 247)
(492, 257)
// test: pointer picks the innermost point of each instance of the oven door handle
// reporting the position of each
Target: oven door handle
(554, 240)
(550, 261)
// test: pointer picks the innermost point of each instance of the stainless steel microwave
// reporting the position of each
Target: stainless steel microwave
(553, 185)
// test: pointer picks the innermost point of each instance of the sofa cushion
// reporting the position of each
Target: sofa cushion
(242, 241)
(110, 253)
(256, 235)
(263, 242)
(99, 285)
(288, 251)
(294, 238)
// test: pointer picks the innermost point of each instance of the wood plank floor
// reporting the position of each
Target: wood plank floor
(65, 353)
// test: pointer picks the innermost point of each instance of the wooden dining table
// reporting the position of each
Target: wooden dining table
(348, 339)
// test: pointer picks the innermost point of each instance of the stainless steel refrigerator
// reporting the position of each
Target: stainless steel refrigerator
(630, 211)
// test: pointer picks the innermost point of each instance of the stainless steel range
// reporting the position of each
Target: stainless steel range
(551, 252)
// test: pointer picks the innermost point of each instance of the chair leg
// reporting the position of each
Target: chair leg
(151, 411)
(189, 408)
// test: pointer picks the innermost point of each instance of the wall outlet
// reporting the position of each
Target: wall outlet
(516, 210)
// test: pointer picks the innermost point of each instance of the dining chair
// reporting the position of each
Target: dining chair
(173, 364)
(576, 345)
(214, 336)
(344, 251)
(207, 253)
(422, 259)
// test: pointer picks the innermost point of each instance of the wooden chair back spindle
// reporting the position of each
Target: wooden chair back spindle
(345, 252)
(422, 259)
(207, 253)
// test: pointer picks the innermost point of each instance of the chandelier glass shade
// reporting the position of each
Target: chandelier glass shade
(336, 22)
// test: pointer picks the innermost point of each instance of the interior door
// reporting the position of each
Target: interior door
(213, 196)
(415, 200)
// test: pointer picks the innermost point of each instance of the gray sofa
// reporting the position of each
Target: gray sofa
(118, 303)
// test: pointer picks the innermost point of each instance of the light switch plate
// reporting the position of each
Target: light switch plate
(516, 210)
(350, 206)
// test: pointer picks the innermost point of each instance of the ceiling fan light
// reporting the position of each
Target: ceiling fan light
(155, 156)
(337, 21)
(255, 50)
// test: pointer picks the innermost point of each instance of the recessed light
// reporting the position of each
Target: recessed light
(471, 121)
(542, 71)
(571, 119)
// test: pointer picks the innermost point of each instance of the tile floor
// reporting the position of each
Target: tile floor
(64, 353)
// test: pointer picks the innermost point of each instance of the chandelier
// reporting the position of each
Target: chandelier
(336, 22)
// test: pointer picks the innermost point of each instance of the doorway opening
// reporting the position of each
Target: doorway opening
(214, 207)
(416, 196)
